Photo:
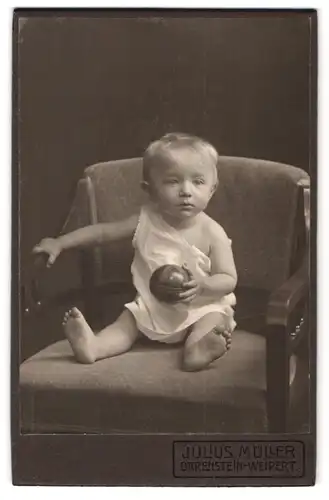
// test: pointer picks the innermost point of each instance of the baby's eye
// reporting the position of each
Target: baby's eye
(171, 181)
(197, 182)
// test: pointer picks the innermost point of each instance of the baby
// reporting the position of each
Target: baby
(179, 177)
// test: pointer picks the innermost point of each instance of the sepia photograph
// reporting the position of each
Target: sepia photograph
(164, 180)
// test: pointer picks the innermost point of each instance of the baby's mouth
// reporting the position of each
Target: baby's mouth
(186, 204)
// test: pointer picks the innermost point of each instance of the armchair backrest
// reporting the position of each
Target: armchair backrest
(258, 203)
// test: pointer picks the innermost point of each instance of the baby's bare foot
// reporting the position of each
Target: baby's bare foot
(210, 347)
(80, 335)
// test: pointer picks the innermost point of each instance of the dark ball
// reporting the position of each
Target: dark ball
(167, 281)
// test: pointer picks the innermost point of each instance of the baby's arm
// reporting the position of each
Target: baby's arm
(223, 277)
(96, 234)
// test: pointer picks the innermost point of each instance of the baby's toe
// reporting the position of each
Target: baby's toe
(226, 334)
(228, 343)
(74, 312)
(66, 317)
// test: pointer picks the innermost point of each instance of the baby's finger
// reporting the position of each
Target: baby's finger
(187, 300)
(190, 284)
(37, 250)
(188, 293)
(40, 259)
(51, 260)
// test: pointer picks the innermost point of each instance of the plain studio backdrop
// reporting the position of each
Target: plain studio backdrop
(97, 89)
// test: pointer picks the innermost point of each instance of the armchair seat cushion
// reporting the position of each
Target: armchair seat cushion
(145, 390)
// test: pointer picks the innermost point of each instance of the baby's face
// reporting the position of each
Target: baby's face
(182, 185)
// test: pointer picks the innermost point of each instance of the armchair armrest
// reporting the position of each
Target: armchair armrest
(285, 327)
(35, 301)
(284, 300)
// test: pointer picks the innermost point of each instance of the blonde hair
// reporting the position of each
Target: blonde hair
(161, 149)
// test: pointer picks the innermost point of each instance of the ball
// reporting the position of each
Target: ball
(167, 281)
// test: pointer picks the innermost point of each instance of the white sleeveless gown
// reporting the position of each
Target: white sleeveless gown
(156, 243)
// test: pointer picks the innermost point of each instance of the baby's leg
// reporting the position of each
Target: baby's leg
(113, 340)
(209, 339)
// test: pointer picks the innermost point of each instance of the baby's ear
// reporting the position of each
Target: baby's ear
(214, 187)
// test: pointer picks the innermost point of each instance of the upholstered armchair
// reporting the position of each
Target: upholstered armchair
(258, 386)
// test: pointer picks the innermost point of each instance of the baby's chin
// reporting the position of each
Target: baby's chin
(187, 212)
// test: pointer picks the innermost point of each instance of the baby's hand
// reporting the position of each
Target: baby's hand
(49, 247)
(190, 291)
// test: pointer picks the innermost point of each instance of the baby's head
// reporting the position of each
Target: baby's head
(180, 173)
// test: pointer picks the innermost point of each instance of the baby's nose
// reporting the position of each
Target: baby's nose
(185, 189)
